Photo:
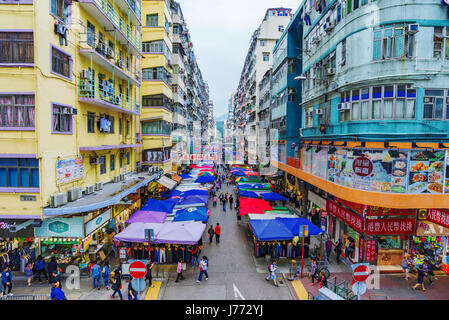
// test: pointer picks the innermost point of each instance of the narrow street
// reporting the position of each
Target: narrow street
(231, 265)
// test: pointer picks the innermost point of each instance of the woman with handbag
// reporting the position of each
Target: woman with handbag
(116, 284)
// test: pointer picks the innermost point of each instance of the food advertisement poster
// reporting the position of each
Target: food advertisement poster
(69, 170)
(426, 171)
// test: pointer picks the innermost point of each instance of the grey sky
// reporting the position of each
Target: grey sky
(221, 31)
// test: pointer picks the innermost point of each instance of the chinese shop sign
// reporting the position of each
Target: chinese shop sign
(379, 211)
(357, 207)
(353, 220)
(370, 250)
(362, 166)
(439, 216)
(390, 227)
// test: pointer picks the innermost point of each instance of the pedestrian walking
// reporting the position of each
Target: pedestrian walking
(179, 271)
(215, 200)
(195, 252)
(428, 268)
(323, 279)
(40, 268)
(211, 233)
(29, 272)
(421, 275)
(313, 271)
(338, 247)
(56, 292)
(224, 205)
(56, 277)
(105, 274)
(217, 232)
(95, 272)
(132, 294)
(7, 280)
(52, 266)
(406, 266)
(231, 201)
(272, 269)
(116, 284)
(149, 275)
(328, 246)
(203, 269)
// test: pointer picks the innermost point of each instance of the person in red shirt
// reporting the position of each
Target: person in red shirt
(217, 233)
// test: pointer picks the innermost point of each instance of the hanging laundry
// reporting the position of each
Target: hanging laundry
(61, 30)
(307, 20)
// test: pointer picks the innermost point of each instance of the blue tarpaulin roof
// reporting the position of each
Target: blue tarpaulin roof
(238, 173)
(159, 205)
(196, 214)
(193, 200)
(174, 193)
(248, 194)
(252, 186)
(268, 230)
(205, 179)
(293, 225)
(272, 196)
(194, 192)
(185, 176)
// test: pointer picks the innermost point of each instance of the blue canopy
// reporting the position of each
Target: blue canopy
(238, 173)
(194, 192)
(272, 196)
(293, 225)
(269, 230)
(205, 179)
(174, 193)
(196, 214)
(248, 194)
(159, 205)
(250, 186)
(185, 176)
(165, 194)
(204, 199)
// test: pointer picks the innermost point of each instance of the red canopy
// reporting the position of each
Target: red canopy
(251, 205)
(193, 166)
(251, 173)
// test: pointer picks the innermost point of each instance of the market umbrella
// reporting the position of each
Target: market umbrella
(269, 230)
(135, 232)
(243, 179)
(272, 196)
(206, 173)
(190, 200)
(194, 192)
(180, 232)
(191, 214)
(238, 173)
(251, 173)
(256, 206)
(159, 205)
(294, 224)
(193, 166)
(185, 176)
(148, 217)
(205, 179)
(248, 194)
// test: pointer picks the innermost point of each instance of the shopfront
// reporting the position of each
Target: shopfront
(16, 248)
(98, 241)
(61, 238)
(318, 207)
(123, 212)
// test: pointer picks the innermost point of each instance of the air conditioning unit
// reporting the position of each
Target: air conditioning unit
(102, 47)
(330, 71)
(122, 177)
(318, 112)
(282, 124)
(58, 199)
(309, 113)
(98, 186)
(74, 194)
(97, 160)
(328, 26)
(89, 189)
(412, 28)
(300, 132)
(343, 106)
(117, 100)
(85, 74)
(116, 179)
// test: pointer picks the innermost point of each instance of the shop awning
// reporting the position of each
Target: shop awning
(176, 178)
(180, 233)
(135, 232)
(191, 214)
(159, 205)
(167, 182)
(269, 230)
(148, 217)
(272, 196)
(294, 224)
(248, 194)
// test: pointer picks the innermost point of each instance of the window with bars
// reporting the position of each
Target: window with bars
(62, 119)
(436, 104)
(157, 127)
(158, 73)
(61, 63)
(156, 100)
(17, 111)
(391, 41)
(266, 56)
(158, 46)
(19, 172)
(441, 42)
(91, 122)
(16, 47)
(103, 165)
(152, 20)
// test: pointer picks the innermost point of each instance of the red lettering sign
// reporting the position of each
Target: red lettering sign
(390, 227)
(362, 166)
(379, 211)
(357, 207)
(439, 216)
(353, 220)
(371, 250)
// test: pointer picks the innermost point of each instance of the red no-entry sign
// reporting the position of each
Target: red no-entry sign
(361, 273)
(137, 269)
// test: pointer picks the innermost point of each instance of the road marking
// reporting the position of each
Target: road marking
(237, 293)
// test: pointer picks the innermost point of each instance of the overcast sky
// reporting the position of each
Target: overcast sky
(221, 31)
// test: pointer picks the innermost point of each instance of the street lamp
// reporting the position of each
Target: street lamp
(301, 77)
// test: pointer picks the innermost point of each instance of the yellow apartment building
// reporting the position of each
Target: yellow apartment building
(70, 112)
(157, 103)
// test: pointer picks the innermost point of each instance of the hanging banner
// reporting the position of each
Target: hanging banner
(350, 218)
(371, 250)
(390, 227)
(439, 216)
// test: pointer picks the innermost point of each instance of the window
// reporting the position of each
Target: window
(127, 127)
(158, 73)
(175, 29)
(436, 104)
(16, 47)
(157, 127)
(17, 111)
(166, 26)
(379, 103)
(308, 117)
(292, 66)
(390, 42)
(128, 158)
(152, 20)
(120, 162)
(61, 63)
(62, 119)
(441, 42)
(19, 172)
(90, 34)
(262, 43)
(112, 162)
(343, 52)
(120, 126)
(156, 100)
(60, 9)
(281, 28)
(102, 165)
(91, 122)
(266, 56)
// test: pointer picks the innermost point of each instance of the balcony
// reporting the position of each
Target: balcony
(104, 96)
(109, 18)
(108, 58)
